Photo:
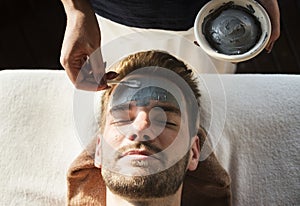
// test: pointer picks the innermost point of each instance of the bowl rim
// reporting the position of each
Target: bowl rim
(259, 12)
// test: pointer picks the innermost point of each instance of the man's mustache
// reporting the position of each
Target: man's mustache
(140, 145)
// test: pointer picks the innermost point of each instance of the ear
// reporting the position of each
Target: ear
(194, 153)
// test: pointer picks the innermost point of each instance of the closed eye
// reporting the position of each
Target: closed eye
(120, 122)
(163, 122)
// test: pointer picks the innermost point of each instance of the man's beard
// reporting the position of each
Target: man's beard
(161, 184)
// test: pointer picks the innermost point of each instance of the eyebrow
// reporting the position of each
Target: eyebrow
(120, 107)
(169, 108)
(128, 106)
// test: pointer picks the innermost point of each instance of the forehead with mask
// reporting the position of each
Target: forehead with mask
(154, 60)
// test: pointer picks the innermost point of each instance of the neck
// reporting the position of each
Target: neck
(172, 200)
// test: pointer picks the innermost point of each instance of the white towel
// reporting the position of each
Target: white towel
(256, 139)
(37, 141)
(260, 142)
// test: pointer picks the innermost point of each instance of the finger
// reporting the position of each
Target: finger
(86, 80)
(88, 85)
(73, 65)
(102, 85)
(269, 47)
(97, 64)
(103, 81)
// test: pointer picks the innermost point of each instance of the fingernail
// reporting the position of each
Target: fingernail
(103, 87)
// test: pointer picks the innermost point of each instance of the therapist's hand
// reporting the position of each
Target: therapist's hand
(81, 39)
(272, 8)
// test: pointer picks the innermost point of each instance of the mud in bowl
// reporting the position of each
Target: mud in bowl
(233, 31)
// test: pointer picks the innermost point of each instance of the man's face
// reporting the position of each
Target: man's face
(144, 144)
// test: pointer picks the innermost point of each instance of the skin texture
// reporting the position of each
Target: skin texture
(130, 178)
(83, 36)
(148, 139)
(272, 8)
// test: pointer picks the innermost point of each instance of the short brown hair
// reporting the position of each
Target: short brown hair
(149, 59)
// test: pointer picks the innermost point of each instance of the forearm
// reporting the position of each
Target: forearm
(81, 18)
(270, 4)
(79, 6)
(273, 10)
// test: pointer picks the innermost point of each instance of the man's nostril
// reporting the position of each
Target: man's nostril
(133, 137)
(146, 137)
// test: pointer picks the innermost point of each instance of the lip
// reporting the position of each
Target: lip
(137, 153)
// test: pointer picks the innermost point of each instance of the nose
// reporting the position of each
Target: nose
(140, 127)
(141, 122)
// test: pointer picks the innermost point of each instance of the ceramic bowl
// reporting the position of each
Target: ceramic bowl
(231, 44)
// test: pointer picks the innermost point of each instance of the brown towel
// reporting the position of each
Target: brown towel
(208, 185)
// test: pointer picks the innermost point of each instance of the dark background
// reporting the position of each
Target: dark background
(31, 34)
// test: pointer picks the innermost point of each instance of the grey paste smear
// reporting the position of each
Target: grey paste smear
(232, 29)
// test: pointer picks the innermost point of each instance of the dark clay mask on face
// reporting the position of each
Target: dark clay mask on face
(157, 85)
(142, 97)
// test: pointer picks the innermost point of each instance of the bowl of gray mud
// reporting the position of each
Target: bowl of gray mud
(232, 30)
